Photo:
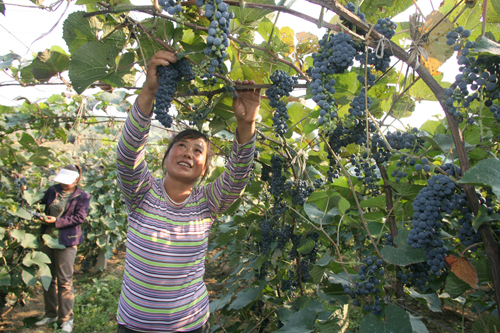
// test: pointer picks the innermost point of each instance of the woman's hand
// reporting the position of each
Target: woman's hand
(150, 86)
(48, 219)
(246, 108)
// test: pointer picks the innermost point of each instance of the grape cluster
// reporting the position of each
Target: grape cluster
(300, 191)
(290, 283)
(428, 206)
(335, 55)
(425, 165)
(169, 77)
(309, 260)
(388, 239)
(386, 27)
(452, 36)
(479, 74)
(370, 79)
(282, 86)
(360, 104)
(367, 286)
(365, 170)
(417, 277)
(170, 6)
(352, 8)
(217, 12)
(342, 136)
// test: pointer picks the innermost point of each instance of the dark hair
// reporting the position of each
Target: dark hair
(192, 134)
(74, 167)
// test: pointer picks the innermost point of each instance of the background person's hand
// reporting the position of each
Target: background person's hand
(48, 219)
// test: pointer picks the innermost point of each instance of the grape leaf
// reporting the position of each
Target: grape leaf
(397, 320)
(463, 269)
(433, 301)
(484, 173)
(437, 49)
(404, 254)
(78, 30)
(300, 322)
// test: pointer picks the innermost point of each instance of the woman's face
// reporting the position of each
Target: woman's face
(186, 160)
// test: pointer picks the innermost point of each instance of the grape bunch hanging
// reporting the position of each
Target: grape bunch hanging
(282, 86)
(217, 12)
(169, 77)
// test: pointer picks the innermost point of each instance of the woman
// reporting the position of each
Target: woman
(169, 219)
(66, 207)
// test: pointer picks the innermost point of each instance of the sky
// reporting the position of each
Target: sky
(26, 29)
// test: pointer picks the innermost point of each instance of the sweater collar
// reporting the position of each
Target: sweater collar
(75, 194)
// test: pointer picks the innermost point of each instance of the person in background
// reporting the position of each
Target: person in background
(169, 218)
(66, 207)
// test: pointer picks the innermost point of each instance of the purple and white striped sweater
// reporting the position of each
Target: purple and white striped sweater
(163, 288)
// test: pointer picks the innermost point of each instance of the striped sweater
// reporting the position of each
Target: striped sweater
(163, 288)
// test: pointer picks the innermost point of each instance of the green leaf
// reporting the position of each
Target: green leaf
(433, 301)
(45, 276)
(432, 127)
(18, 234)
(52, 242)
(484, 173)
(483, 217)
(2, 7)
(78, 30)
(486, 45)
(29, 276)
(397, 320)
(251, 15)
(300, 322)
(325, 260)
(344, 205)
(92, 62)
(486, 324)
(318, 216)
(6, 60)
(306, 245)
(417, 325)
(403, 254)
(342, 278)
(47, 64)
(29, 241)
(245, 297)
(378, 202)
(317, 274)
(21, 212)
(36, 257)
(376, 228)
(28, 142)
(124, 73)
(4, 277)
(33, 196)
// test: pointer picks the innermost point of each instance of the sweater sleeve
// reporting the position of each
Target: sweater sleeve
(134, 178)
(227, 188)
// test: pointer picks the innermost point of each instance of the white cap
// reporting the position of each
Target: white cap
(66, 176)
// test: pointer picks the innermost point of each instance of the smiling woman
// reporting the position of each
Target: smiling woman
(169, 219)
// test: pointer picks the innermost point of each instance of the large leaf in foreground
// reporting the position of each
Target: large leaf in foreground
(92, 62)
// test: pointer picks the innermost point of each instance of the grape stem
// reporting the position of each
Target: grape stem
(468, 247)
